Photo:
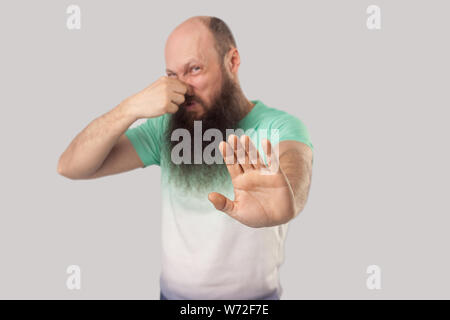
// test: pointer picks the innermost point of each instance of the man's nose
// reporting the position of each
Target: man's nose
(190, 87)
(190, 90)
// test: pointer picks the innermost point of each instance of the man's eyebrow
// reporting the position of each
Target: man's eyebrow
(185, 65)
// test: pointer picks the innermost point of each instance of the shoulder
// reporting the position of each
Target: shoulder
(155, 126)
(280, 118)
(277, 115)
(289, 126)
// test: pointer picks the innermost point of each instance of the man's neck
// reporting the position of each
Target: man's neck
(250, 105)
(247, 106)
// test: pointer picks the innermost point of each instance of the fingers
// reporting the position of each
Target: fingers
(230, 159)
(240, 155)
(267, 147)
(252, 153)
(271, 156)
(179, 86)
(172, 108)
(177, 98)
(221, 203)
(179, 91)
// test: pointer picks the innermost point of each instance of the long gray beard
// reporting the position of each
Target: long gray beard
(224, 114)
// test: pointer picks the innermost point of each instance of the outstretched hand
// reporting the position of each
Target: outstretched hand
(262, 194)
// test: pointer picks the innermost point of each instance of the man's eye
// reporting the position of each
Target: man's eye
(195, 68)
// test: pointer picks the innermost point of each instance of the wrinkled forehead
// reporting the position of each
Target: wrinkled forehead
(191, 43)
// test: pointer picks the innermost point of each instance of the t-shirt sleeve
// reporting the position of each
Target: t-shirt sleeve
(292, 128)
(146, 140)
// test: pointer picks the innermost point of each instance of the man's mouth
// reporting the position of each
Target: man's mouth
(190, 104)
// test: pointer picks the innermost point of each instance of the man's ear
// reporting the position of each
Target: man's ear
(233, 61)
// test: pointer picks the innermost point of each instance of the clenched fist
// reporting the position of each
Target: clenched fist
(163, 96)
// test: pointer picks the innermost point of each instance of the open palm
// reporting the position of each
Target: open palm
(262, 194)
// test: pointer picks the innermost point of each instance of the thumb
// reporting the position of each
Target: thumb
(221, 202)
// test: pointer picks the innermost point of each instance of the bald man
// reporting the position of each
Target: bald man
(223, 222)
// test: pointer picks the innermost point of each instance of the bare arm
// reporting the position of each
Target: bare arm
(102, 148)
(89, 150)
(296, 163)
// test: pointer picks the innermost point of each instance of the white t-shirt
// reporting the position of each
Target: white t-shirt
(205, 253)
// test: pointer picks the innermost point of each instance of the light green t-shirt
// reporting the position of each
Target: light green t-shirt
(205, 253)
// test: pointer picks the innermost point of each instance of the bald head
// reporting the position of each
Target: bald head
(213, 31)
(196, 19)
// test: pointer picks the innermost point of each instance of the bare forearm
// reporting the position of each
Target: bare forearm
(98, 150)
(300, 185)
(298, 171)
(88, 150)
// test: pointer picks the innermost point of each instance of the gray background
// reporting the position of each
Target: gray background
(375, 103)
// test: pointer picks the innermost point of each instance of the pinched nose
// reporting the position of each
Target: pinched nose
(189, 91)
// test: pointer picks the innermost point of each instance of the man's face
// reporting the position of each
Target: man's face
(194, 60)
(191, 57)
